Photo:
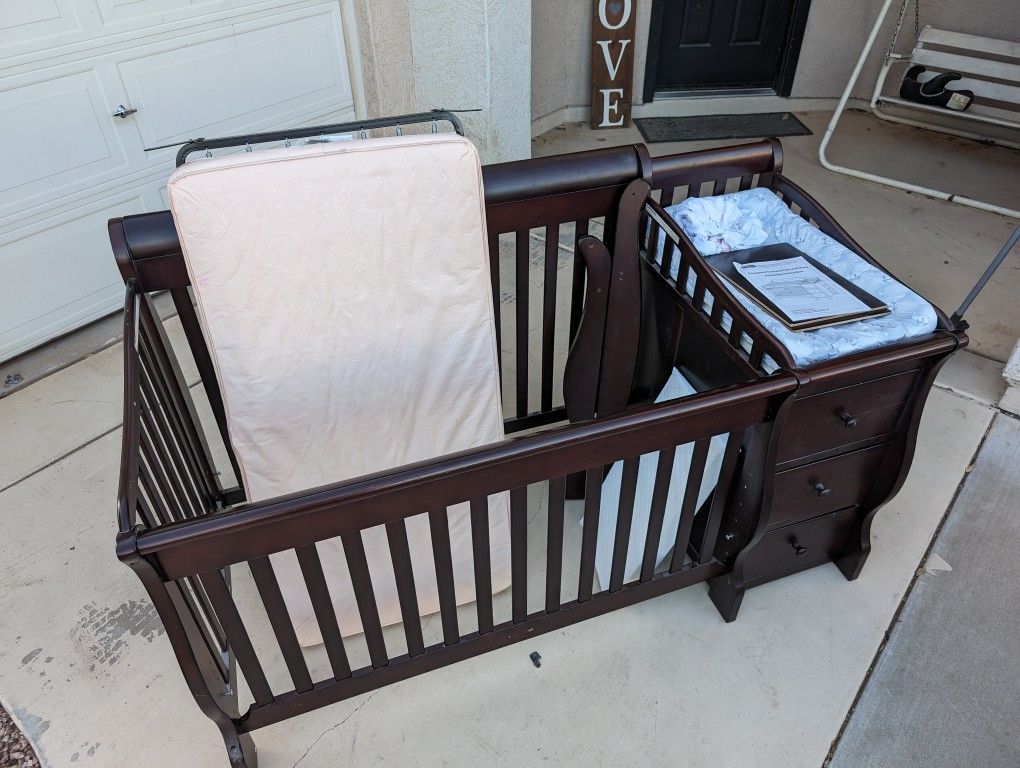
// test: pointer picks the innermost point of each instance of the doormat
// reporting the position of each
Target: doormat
(700, 127)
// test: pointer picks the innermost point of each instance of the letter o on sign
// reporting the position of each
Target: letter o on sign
(614, 5)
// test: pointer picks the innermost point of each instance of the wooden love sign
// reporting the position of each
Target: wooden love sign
(612, 63)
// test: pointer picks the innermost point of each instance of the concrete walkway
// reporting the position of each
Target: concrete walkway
(945, 689)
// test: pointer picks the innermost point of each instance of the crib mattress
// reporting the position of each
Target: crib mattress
(759, 217)
(345, 296)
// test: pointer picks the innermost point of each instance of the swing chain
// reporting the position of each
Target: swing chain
(899, 25)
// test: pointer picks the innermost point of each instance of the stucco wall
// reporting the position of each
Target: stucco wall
(835, 34)
(456, 54)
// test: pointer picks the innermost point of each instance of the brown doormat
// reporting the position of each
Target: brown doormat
(657, 130)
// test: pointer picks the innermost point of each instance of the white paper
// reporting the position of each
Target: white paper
(799, 289)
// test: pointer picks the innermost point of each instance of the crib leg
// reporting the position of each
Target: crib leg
(240, 748)
(726, 595)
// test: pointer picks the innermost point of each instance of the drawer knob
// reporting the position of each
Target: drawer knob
(848, 421)
(822, 490)
(798, 548)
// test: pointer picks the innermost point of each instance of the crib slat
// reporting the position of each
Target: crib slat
(689, 506)
(361, 581)
(757, 353)
(179, 504)
(666, 198)
(624, 517)
(483, 567)
(552, 254)
(719, 187)
(589, 538)
(554, 544)
(694, 189)
(177, 592)
(154, 391)
(715, 515)
(519, 553)
(145, 509)
(237, 636)
(400, 554)
(494, 276)
(167, 373)
(745, 182)
(663, 472)
(521, 330)
(322, 605)
(439, 527)
(162, 453)
(202, 599)
(577, 281)
(279, 618)
(668, 251)
(155, 485)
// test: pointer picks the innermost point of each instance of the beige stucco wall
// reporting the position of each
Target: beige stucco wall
(835, 34)
(456, 54)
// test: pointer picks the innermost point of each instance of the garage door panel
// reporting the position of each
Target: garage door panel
(160, 11)
(35, 21)
(259, 74)
(61, 140)
(59, 275)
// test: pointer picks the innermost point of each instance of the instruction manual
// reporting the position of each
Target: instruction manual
(800, 290)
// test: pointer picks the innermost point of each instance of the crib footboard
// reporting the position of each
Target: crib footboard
(207, 568)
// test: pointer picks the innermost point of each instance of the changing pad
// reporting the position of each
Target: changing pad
(759, 217)
(344, 293)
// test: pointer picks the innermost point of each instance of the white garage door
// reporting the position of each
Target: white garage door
(190, 68)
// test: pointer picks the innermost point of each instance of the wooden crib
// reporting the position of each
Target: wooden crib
(811, 453)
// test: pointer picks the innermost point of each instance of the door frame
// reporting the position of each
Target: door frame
(783, 85)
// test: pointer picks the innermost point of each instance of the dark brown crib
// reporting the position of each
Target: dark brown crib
(811, 454)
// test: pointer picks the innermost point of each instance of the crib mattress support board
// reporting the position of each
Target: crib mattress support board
(808, 463)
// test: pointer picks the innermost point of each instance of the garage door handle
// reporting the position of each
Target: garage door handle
(123, 111)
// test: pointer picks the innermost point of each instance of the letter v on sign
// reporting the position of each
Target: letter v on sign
(612, 67)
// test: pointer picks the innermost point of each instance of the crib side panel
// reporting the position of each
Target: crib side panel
(555, 547)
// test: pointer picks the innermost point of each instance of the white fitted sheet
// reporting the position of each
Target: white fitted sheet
(344, 293)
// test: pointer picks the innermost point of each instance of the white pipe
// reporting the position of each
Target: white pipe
(895, 183)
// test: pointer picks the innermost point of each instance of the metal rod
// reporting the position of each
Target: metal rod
(957, 318)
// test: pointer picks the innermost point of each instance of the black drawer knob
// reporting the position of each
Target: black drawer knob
(798, 548)
(848, 421)
(822, 490)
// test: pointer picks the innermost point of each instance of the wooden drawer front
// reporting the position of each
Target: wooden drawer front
(797, 547)
(824, 486)
(845, 416)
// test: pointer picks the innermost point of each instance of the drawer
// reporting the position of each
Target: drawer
(799, 546)
(845, 416)
(824, 486)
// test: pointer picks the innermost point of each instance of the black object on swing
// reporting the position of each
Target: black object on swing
(934, 91)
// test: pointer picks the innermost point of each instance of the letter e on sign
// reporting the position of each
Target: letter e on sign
(612, 63)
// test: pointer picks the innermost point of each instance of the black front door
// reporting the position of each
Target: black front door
(722, 44)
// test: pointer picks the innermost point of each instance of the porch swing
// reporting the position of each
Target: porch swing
(984, 73)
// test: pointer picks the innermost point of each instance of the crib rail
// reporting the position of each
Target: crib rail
(190, 554)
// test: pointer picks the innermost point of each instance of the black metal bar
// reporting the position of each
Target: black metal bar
(393, 121)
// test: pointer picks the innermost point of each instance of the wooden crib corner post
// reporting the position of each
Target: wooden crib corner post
(217, 700)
